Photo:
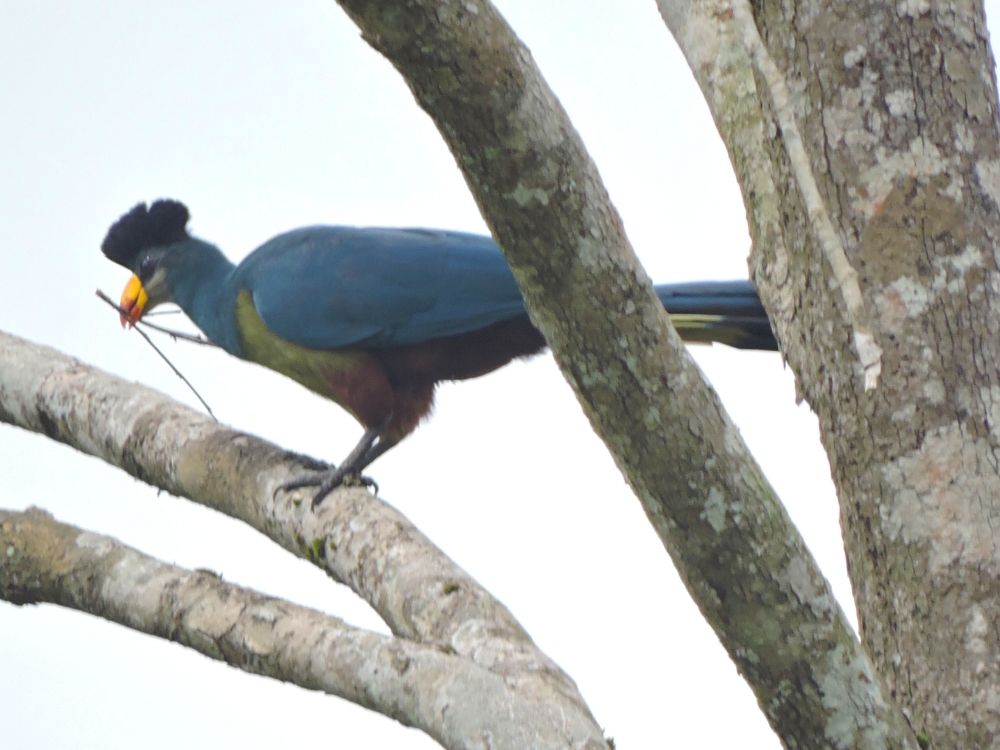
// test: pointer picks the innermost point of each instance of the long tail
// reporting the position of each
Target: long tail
(729, 312)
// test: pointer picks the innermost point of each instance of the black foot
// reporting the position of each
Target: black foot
(327, 481)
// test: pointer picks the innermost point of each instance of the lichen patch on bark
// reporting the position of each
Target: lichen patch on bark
(975, 632)
(843, 697)
(715, 510)
(922, 159)
(942, 502)
(901, 103)
(988, 171)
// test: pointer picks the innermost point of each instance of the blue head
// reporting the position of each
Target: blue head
(169, 265)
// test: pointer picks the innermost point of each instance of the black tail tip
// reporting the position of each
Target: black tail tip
(163, 223)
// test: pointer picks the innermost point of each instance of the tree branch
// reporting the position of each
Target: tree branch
(355, 537)
(869, 353)
(720, 40)
(449, 697)
(713, 44)
(730, 538)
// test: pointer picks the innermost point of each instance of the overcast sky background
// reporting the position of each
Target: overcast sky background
(264, 116)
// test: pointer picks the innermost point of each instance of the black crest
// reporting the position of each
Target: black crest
(161, 224)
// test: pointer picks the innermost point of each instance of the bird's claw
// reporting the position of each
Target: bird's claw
(327, 481)
(361, 480)
(338, 478)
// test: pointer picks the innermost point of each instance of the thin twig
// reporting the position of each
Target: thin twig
(193, 338)
(121, 311)
(175, 335)
(162, 312)
(177, 372)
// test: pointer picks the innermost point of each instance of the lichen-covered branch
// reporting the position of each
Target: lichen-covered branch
(358, 539)
(731, 540)
(713, 44)
(455, 701)
(896, 110)
(827, 239)
(724, 49)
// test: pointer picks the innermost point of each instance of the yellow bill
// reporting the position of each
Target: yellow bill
(133, 301)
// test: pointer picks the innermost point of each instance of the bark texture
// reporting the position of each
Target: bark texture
(356, 538)
(896, 108)
(730, 538)
(458, 703)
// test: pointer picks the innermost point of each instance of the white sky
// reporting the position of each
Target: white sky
(264, 116)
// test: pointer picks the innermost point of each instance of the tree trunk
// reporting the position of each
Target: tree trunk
(894, 108)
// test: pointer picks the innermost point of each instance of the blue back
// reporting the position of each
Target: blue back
(333, 287)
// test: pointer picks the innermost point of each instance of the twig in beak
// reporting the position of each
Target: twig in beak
(176, 335)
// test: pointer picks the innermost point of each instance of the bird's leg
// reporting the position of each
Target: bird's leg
(375, 450)
(366, 451)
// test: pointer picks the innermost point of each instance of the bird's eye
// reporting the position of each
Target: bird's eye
(146, 268)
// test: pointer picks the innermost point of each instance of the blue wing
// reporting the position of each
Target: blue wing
(336, 287)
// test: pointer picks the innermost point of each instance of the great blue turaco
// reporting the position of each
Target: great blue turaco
(372, 318)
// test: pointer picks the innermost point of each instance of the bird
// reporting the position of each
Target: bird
(372, 318)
